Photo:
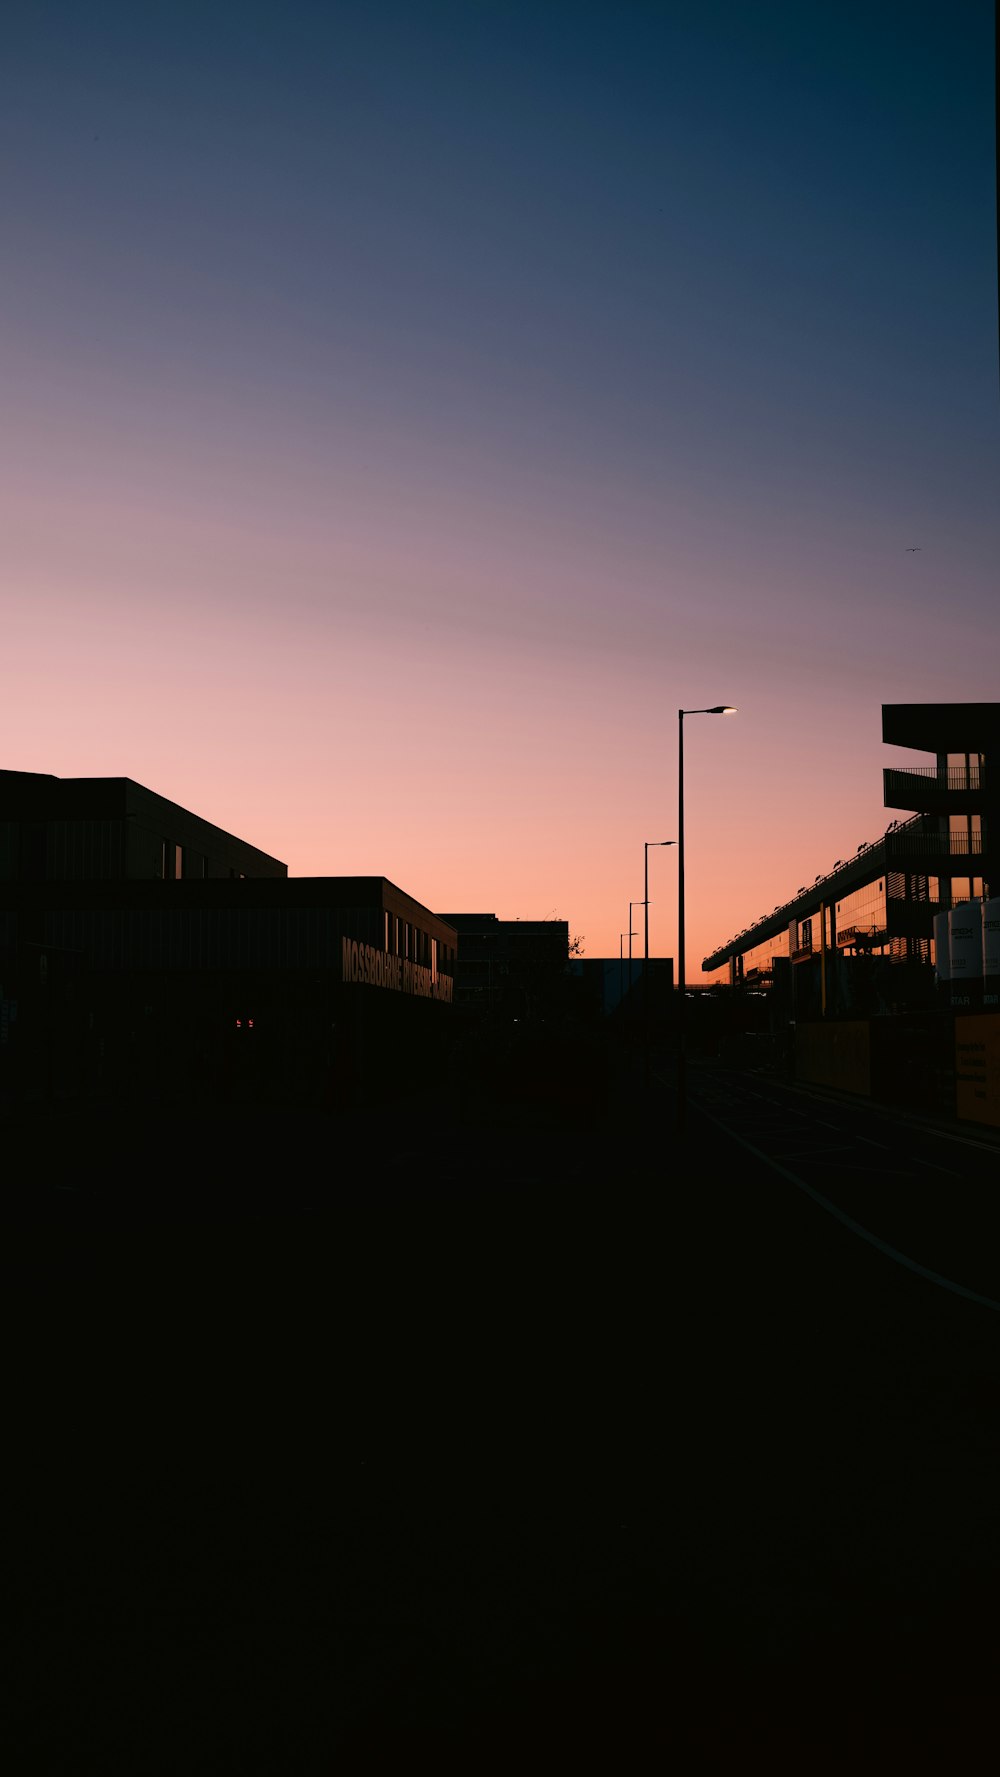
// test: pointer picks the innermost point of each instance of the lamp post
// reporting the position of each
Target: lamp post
(718, 709)
(621, 957)
(645, 950)
(630, 937)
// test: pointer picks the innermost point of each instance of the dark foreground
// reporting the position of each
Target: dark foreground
(536, 1443)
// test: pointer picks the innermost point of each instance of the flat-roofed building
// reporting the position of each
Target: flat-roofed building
(509, 965)
(86, 829)
(228, 977)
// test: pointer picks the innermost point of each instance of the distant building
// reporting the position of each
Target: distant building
(145, 952)
(508, 965)
(605, 986)
(877, 907)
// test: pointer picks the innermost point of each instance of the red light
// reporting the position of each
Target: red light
(249, 1024)
(238, 1024)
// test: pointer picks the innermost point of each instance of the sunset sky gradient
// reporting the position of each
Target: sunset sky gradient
(408, 407)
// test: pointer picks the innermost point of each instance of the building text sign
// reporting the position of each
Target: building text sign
(977, 1067)
(363, 962)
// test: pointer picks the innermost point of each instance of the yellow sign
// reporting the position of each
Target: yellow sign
(977, 1067)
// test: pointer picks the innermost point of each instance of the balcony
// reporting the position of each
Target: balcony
(907, 845)
(935, 790)
(862, 938)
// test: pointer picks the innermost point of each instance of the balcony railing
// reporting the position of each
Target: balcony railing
(862, 938)
(933, 845)
(901, 841)
(951, 777)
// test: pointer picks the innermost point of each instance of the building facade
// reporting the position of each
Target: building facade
(509, 966)
(220, 975)
(866, 926)
(110, 829)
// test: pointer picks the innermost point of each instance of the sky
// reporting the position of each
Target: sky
(409, 407)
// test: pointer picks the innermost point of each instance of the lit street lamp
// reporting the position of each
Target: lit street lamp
(718, 709)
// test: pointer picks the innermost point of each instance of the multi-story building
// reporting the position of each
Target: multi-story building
(110, 829)
(510, 965)
(881, 903)
(144, 950)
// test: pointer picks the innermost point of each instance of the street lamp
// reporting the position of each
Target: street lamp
(621, 958)
(645, 952)
(630, 937)
(718, 709)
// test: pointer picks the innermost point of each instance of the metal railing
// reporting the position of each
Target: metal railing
(933, 845)
(951, 777)
(870, 937)
(901, 839)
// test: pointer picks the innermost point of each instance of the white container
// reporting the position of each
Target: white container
(942, 959)
(965, 941)
(991, 937)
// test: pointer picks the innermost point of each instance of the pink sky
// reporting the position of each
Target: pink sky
(474, 696)
(386, 514)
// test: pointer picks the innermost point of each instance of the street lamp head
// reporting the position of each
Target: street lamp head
(723, 709)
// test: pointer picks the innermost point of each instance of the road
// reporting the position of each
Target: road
(927, 1190)
(553, 1444)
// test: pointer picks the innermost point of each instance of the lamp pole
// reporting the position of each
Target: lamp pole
(630, 937)
(718, 709)
(645, 949)
(621, 958)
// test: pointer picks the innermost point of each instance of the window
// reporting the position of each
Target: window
(178, 862)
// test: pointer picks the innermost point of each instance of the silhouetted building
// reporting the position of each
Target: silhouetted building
(226, 978)
(509, 966)
(605, 985)
(865, 928)
(86, 829)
